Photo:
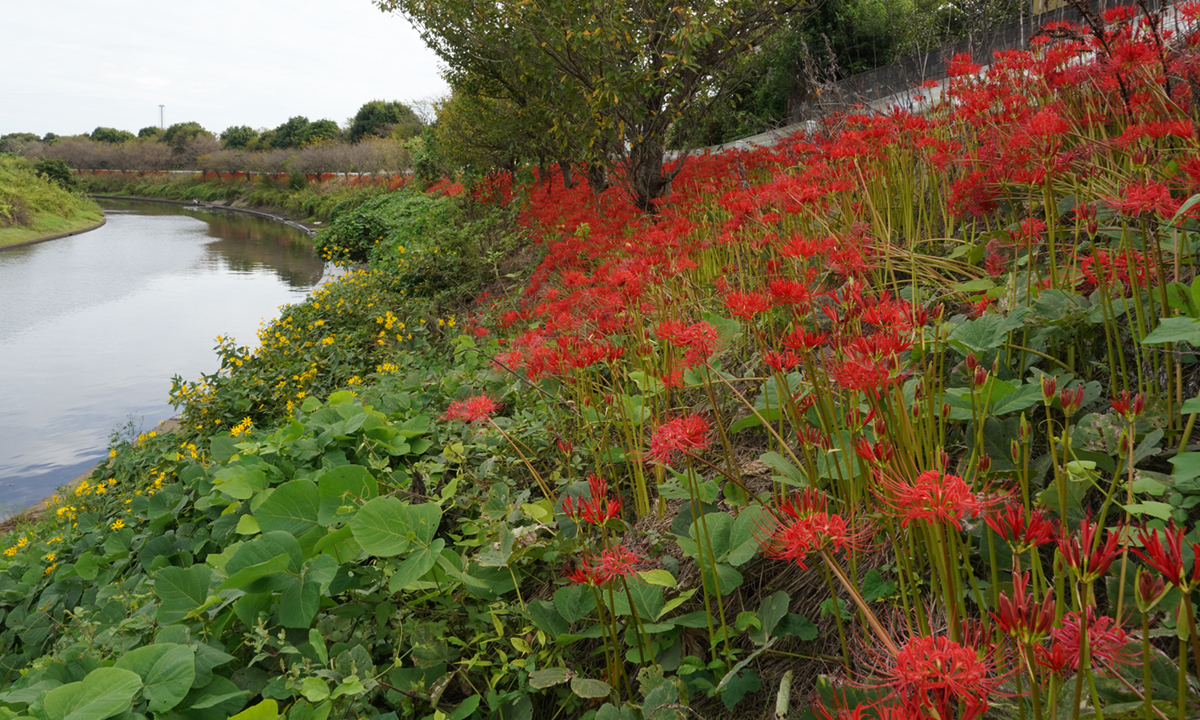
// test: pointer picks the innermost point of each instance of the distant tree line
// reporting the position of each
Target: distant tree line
(375, 139)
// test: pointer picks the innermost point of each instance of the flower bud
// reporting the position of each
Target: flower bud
(1049, 388)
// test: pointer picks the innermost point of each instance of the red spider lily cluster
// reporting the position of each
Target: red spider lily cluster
(804, 266)
(473, 409)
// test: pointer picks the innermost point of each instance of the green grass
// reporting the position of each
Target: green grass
(48, 225)
(33, 208)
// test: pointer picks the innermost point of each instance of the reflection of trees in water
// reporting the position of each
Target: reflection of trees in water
(246, 243)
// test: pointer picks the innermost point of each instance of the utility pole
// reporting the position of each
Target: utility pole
(161, 124)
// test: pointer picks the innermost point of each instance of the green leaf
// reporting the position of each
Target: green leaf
(314, 689)
(416, 565)
(574, 602)
(247, 525)
(103, 693)
(302, 598)
(799, 626)
(588, 688)
(180, 591)
(981, 334)
(662, 578)
(1191, 405)
(246, 576)
(346, 485)
(542, 679)
(466, 708)
(1160, 510)
(1176, 329)
(381, 527)
(265, 710)
(875, 588)
(546, 618)
(292, 509)
(1187, 466)
(736, 688)
(773, 609)
(167, 671)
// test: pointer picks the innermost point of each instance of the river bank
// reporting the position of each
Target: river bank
(86, 223)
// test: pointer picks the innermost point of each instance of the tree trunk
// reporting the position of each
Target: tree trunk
(597, 177)
(646, 179)
(568, 178)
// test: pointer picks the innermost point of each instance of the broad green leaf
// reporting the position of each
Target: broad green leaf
(737, 686)
(103, 693)
(247, 525)
(314, 689)
(302, 598)
(1175, 329)
(662, 578)
(167, 671)
(416, 565)
(799, 626)
(1187, 466)
(239, 482)
(265, 710)
(874, 587)
(244, 578)
(574, 602)
(422, 521)
(347, 485)
(588, 688)
(466, 708)
(381, 527)
(542, 679)
(180, 591)
(292, 509)
(1160, 510)
(773, 608)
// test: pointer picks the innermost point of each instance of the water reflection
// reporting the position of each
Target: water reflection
(92, 327)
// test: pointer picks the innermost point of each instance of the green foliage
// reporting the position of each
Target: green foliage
(238, 136)
(56, 171)
(385, 119)
(111, 136)
(34, 205)
(150, 131)
(319, 132)
(179, 134)
(290, 133)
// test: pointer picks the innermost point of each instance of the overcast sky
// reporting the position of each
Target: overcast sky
(72, 65)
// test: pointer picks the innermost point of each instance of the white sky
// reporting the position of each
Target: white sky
(69, 66)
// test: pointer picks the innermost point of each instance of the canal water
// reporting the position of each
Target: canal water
(93, 327)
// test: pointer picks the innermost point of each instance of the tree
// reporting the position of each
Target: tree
(319, 132)
(112, 136)
(636, 65)
(56, 171)
(238, 136)
(288, 134)
(394, 119)
(150, 131)
(180, 134)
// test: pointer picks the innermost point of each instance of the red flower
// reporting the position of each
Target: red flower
(685, 434)
(747, 305)
(1022, 616)
(1022, 530)
(933, 497)
(596, 510)
(805, 527)
(937, 677)
(614, 562)
(473, 409)
(1167, 558)
(1078, 553)
(1106, 642)
(1143, 197)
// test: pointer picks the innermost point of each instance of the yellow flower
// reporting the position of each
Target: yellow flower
(49, 570)
(50, 557)
(112, 453)
(118, 524)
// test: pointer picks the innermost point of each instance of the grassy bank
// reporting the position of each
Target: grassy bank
(299, 197)
(33, 208)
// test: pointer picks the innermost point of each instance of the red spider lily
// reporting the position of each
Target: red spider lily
(1145, 197)
(802, 340)
(472, 409)
(937, 677)
(1128, 407)
(747, 305)
(611, 563)
(598, 509)
(1167, 558)
(803, 526)
(1023, 530)
(934, 497)
(685, 434)
(781, 362)
(1077, 552)
(1022, 616)
(1106, 643)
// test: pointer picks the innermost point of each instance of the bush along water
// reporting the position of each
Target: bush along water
(894, 420)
